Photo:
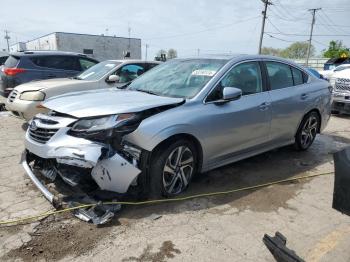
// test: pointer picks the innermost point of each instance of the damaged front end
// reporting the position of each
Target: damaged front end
(76, 162)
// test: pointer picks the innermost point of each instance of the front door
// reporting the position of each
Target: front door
(241, 125)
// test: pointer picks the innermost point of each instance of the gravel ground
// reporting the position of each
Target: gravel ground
(226, 228)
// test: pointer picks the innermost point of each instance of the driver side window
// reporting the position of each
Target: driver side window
(245, 76)
(129, 72)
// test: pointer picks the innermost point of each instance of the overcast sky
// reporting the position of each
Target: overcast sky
(220, 26)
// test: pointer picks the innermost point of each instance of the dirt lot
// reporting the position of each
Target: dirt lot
(228, 228)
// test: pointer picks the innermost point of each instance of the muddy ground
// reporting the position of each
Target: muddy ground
(222, 228)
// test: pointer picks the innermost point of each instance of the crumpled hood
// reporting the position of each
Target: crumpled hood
(50, 83)
(106, 102)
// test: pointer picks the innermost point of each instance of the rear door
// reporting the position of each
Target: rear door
(289, 99)
(57, 66)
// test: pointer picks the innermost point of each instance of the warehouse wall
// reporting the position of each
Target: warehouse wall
(47, 42)
(103, 47)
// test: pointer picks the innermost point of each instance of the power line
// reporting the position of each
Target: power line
(204, 30)
(284, 40)
(276, 33)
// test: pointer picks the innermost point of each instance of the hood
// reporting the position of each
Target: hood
(106, 102)
(342, 74)
(50, 83)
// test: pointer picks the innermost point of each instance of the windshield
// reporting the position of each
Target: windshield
(178, 78)
(97, 71)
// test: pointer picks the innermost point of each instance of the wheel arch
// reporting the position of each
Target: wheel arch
(316, 110)
(186, 136)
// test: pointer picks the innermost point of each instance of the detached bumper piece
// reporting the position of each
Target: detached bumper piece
(341, 195)
(98, 214)
(62, 194)
(279, 250)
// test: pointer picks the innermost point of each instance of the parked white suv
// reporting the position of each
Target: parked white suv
(341, 91)
(25, 101)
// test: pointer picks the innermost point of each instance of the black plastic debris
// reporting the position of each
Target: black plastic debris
(341, 193)
(2, 107)
(99, 214)
(279, 250)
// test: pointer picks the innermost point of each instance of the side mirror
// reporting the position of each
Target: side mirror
(113, 79)
(231, 93)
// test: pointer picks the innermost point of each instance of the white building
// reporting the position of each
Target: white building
(96, 46)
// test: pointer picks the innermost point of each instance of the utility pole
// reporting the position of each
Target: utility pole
(7, 37)
(313, 10)
(266, 2)
(146, 52)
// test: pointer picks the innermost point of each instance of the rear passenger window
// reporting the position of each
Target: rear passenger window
(280, 75)
(11, 61)
(57, 62)
(297, 76)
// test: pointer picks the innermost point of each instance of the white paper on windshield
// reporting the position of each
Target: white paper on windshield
(87, 75)
(203, 72)
(110, 65)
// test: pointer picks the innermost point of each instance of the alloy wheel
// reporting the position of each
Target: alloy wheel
(178, 170)
(309, 131)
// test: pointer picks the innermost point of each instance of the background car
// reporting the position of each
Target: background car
(340, 81)
(316, 73)
(23, 67)
(328, 73)
(185, 116)
(25, 100)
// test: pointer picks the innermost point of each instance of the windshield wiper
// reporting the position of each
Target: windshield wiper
(76, 77)
(147, 91)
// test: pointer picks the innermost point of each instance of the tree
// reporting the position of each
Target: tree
(172, 53)
(336, 49)
(297, 50)
(271, 51)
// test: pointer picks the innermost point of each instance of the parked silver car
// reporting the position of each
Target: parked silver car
(183, 117)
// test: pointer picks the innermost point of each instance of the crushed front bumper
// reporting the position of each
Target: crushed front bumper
(64, 156)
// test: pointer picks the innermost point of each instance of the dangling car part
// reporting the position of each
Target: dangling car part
(341, 195)
(277, 247)
(183, 117)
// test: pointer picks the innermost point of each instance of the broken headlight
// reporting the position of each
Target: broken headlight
(101, 123)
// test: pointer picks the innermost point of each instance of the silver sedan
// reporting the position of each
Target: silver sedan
(183, 117)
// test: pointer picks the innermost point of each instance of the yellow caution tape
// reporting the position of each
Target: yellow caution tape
(157, 201)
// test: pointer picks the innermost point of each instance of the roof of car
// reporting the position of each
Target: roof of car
(127, 61)
(237, 56)
(48, 52)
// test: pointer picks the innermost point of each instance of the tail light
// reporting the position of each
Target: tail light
(13, 71)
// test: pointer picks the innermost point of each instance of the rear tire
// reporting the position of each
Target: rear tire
(172, 169)
(307, 131)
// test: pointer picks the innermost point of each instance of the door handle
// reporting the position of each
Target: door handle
(304, 96)
(264, 106)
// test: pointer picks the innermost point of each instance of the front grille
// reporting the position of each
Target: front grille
(342, 84)
(12, 96)
(41, 135)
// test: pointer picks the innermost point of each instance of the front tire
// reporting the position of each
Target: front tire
(307, 131)
(173, 167)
